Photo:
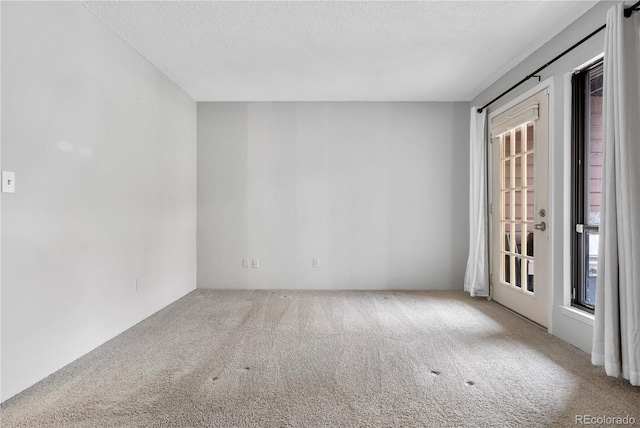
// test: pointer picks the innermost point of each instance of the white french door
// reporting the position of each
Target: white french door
(519, 207)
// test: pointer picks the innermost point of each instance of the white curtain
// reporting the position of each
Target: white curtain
(476, 278)
(616, 338)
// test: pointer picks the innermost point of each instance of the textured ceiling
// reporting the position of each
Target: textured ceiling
(336, 51)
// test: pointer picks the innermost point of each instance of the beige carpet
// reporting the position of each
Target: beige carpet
(325, 358)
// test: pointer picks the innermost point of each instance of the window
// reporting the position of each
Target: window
(587, 151)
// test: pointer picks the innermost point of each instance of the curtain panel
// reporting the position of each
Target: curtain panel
(476, 278)
(616, 337)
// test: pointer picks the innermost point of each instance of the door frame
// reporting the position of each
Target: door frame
(554, 226)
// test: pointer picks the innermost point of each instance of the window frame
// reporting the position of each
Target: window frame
(580, 93)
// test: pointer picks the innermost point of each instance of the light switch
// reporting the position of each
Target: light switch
(255, 263)
(8, 182)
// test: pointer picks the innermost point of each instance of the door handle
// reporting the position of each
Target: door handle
(540, 226)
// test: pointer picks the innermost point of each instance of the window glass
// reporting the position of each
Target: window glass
(587, 153)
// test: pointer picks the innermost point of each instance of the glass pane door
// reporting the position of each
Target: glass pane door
(517, 199)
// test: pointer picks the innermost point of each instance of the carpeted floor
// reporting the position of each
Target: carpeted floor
(327, 358)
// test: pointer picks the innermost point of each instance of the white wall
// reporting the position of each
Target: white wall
(377, 191)
(103, 146)
(565, 324)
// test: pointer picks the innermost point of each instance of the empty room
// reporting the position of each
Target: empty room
(319, 213)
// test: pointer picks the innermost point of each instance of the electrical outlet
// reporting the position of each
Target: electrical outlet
(255, 263)
(315, 263)
(245, 262)
(138, 285)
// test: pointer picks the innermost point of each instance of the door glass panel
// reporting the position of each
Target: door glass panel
(506, 183)
(530, 136)
(506, 210)
(530, 275)
(529, 242)
(518, 207)
(530, 204)
(505, 245)
(517, 250)
(507, 146)
(530, 170)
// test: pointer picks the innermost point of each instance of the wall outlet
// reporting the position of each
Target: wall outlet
(245, 262)
(315, 263)
(138, 285)
(255, 263)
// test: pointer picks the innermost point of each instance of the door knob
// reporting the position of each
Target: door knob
(540, 226)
